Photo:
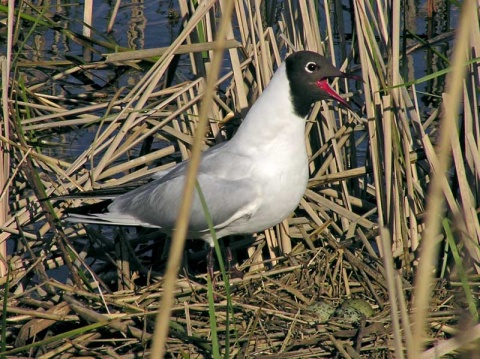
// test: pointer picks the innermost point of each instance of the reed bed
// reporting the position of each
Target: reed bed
(380, 260)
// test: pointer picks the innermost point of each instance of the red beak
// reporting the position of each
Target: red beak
(325, 86)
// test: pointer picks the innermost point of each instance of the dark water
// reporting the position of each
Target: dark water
(151, 24)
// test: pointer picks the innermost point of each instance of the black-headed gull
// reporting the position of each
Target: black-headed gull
(250, 183)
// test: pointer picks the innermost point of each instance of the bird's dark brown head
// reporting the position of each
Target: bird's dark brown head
(308, 74)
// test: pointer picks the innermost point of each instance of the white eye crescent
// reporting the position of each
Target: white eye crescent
(310, 67)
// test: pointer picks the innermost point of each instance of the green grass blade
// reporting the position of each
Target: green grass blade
(221, 264)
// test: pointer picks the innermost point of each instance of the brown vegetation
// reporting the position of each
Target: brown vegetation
(399, 230)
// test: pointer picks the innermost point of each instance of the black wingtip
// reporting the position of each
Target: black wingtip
(95, 208)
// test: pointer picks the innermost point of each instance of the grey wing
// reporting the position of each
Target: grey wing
(224, 179)
(157, 203)
(209, 163)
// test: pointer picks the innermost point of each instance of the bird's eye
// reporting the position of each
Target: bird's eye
(311, 66)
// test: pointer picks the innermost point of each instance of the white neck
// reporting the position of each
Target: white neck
(271, 117)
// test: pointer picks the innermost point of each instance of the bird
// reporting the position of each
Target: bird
(251, 182)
